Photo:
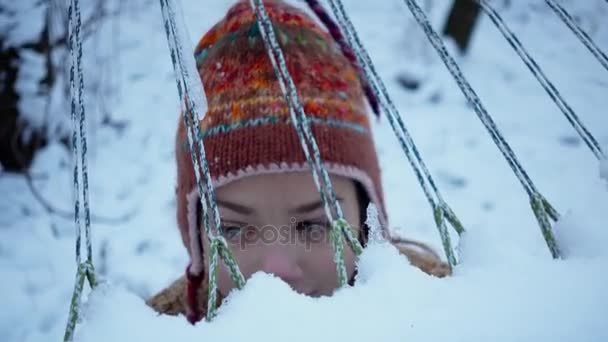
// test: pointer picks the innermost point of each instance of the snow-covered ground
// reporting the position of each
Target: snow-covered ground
(507, 286)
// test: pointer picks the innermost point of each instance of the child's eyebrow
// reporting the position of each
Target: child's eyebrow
(241, 209)
(306, 208)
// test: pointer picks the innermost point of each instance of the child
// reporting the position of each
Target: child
(271, 212)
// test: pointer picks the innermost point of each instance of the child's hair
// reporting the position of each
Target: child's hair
(364, 202)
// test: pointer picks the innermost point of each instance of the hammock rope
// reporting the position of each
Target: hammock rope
(376, 93)
(441, 210)
(217, 244)
(579, 32)
(551, 90)
(85, 269)
(542, 209)
(301, 123)
(336, 34)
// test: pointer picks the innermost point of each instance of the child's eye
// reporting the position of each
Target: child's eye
(319, 226)
(230, 231)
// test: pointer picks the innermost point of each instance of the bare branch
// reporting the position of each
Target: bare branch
(69, 214)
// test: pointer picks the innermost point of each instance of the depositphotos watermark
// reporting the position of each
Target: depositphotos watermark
(297, 233)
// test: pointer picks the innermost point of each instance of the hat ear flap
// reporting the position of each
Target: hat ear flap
(195, 272)
(194, 233)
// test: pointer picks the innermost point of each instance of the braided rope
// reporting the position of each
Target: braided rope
(299, 119)
(213, 266)
(551, 90)
(539, 204)
(74, 117)
(441, 210)
(579, 32)
(78, 126)
(83, 139)
(301, 123)
(85, 270)
(191, 116)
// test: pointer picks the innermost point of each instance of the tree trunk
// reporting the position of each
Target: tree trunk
(16, 153)
(461, 22)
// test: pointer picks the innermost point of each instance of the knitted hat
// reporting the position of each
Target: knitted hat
(247, 129)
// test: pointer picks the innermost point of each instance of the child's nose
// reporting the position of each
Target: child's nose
(279, 262)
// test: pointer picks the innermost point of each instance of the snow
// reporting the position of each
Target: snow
(27, 84)
(576, 240)
(604, 169)
(15, 27)
(180, 42)
(391, 301)
(507, 286)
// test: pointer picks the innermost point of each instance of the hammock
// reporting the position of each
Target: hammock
(193, 101)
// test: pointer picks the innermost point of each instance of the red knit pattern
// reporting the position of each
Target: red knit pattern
(248, 126)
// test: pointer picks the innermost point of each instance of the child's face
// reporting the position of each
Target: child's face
(276, 223)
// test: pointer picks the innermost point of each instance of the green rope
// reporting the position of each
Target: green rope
(85, 269)
(343, 226)
(399, 128)
(540, 206)
(212, 298)
(218, 246)
(579, 33)
(338, 246)
(439, 216)
(301, 123)
(544, 81)
(230, 261)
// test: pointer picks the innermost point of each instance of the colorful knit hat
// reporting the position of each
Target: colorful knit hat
(247, 129)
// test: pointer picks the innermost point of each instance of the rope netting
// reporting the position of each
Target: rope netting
(579, 32)
(441, 210)
(301, 123)
(192, 99)
(85, 269)
(547, 85)
(542, 209)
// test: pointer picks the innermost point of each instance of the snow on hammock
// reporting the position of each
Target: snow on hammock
(511, 297)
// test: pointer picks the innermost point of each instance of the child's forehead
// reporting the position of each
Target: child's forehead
(290, 192)
(279, 182)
